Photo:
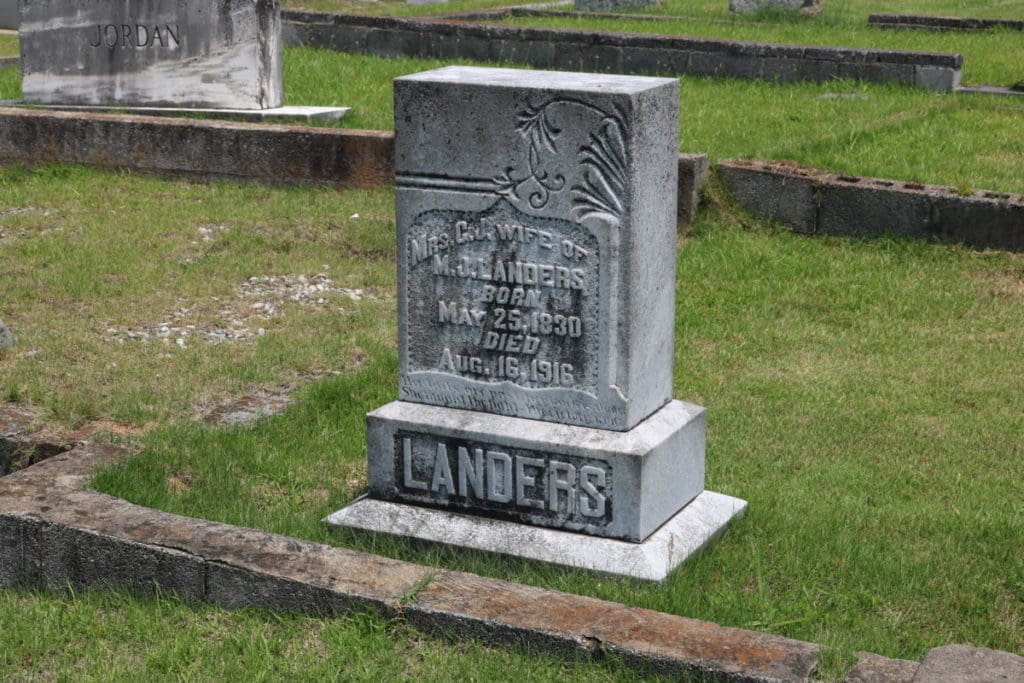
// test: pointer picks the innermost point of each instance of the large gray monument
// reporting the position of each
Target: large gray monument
(536, 295)
(175, 53)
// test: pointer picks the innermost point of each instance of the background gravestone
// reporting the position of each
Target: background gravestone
(536, 285)
(173, 53)
(747, 6)
(612, 5)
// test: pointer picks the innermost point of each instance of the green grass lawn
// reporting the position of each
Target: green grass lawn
(115, 637)
(863, 396)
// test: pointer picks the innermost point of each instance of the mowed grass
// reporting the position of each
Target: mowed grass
(104, 637)
(863, 396)
(93, 263)
(8, 45)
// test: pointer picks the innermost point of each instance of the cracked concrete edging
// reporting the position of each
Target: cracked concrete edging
(813, 201)
(55, 533)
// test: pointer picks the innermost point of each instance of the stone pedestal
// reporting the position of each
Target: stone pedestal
(536, 300)
(175, 53)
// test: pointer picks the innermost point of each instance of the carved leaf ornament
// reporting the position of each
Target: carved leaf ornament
(603, 158)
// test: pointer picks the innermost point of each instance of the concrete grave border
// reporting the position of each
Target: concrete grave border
(929, 23)
(55, 533)
(199, 149)
(813, 201)
(624, 53)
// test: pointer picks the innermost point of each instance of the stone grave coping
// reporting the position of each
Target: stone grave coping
(813, 201)
(55, 533)
(622, 53)
(930, 23)
(199, 149)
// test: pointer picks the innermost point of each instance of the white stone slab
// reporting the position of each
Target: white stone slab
(295, 113)
(683, 535)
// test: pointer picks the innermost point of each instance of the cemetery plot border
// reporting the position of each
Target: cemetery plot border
(812, 201)
(603, 51)
(55, 534)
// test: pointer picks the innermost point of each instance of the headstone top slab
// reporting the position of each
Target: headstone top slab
(537, 257)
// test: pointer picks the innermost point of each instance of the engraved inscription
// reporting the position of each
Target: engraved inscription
(135, 35)
(500, 296)
(554, 490)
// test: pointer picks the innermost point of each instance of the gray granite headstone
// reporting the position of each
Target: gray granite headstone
(175, 53)
(536, 301)
(749, 6)
(536, 253)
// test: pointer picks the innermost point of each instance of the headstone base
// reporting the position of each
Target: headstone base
(291, 113)
(689, 530)
(622, 485)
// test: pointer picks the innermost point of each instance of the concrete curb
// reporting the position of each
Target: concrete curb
(267, 153)
(8, 61)
(916, 21)
(53, 533)
(200, 149)
(817, 202)
(626, 53)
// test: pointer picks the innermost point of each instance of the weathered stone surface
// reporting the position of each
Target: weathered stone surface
(872, 668)
(693, 172)
(673, 543)
(618, 52)
(814, 201)
(788, 198)
(63, 535)
(929, 23)
(279, 114)
(536, 235)
(748, 6)
(152, 52)
(9, 14)
(25, 439)
(456, 603)
(612, 5)
(966, 664)
(269, 153)
(599, 482)
(6, 338)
